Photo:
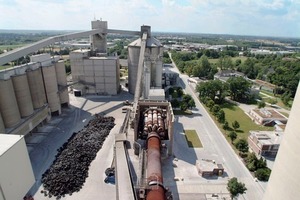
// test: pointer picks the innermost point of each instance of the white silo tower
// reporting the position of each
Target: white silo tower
(284, 181)
(152, 72)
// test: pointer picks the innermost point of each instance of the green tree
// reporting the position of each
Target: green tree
(191, 103)
(214, 89)
(286, 97)
(261, 104)
(188, 99)
(263, 174)
(183, 106)
(175, 103)
(226, 125)
(179, 92)
(232, 135)
(235, 125)
(238, 62)
(238, 88)
(215, 109)
(225, 63)
(221, 116)
(210, 104)
(235, 188)
(242, 145)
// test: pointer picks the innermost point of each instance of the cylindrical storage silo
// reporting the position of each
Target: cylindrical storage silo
(133, 62)
(8, 104)
(2, 127)
(62, 82)
(61, 73)
(64, 96)
(23, 95)
(50, 81)
(37, 88)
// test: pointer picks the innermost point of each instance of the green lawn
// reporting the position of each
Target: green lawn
(5, 67)
(233, 112)
(215, 60)
(192, 139)
(4, 47)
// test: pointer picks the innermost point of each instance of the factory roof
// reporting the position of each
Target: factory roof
(151, 42)
(7, 141)
(267, 137)
(268, 113)
(209, 165)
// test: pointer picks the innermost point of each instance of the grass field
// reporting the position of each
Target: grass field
(192, 139)
(4, 47)
(215, 60)
(232, 113)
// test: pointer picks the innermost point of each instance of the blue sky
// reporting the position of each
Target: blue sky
(240, 17)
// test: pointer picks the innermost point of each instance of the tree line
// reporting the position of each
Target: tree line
(284, 72)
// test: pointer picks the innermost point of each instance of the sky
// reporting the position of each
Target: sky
(238, 17)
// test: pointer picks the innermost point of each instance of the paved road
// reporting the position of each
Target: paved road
(216, 144)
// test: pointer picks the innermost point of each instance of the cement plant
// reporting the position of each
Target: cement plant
(93, 134)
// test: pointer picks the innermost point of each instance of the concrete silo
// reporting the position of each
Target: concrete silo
(99, 41)
(51, 87)
(284, 181)
(152, 63)
(37, 88)
(2, 127)
(23, 95)
(133, 62)
(8, 104)
(62, 82)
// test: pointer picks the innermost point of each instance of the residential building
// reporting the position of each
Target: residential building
(267, 117)
(264, 143)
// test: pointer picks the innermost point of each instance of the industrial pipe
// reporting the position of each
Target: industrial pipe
(155, 179)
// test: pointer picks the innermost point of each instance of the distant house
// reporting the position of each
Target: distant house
(208, 168)
(224, 75)
(265, 143)
(265, 85)
(267, 117)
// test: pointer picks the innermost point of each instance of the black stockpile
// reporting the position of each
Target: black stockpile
(69, 170)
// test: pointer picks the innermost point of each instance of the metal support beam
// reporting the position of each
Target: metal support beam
(123, 32)
(137, 92)
(30, 48)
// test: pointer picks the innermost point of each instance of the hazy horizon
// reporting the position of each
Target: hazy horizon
(272, 18)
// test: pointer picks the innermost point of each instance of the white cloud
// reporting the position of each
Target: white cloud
(204, 16)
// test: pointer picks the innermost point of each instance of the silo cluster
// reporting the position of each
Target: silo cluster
(152, 71)
(30, 87)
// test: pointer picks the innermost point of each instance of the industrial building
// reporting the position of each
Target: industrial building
(34, 91)
(95, 74)
(31, 93)
(16, 175)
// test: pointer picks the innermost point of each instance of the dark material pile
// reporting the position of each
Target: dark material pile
(69, 170)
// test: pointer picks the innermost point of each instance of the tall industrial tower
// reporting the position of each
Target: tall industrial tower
(284, 181)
